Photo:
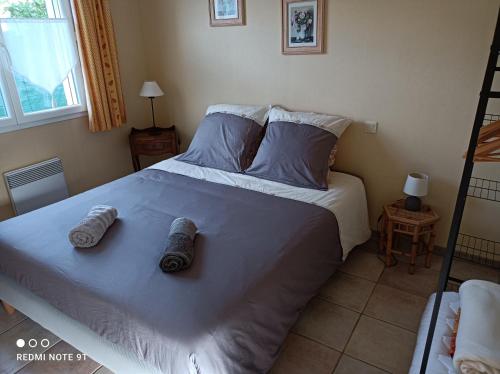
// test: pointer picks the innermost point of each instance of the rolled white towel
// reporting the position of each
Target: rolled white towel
(478, 338)
(93, 227)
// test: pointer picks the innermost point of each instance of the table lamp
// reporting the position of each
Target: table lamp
(416, 186)
(150, 89)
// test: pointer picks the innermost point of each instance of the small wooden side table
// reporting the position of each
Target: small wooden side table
(419, 225)
(153, 141)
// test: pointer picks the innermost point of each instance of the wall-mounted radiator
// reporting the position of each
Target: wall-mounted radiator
(36, 186)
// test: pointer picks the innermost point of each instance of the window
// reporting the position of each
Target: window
(40, 73)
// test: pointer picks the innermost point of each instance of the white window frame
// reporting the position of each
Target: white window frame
(17, 119)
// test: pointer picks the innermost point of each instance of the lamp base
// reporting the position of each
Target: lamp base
(413, 204)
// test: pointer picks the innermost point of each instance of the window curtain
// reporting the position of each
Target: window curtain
(99, 57)
(41, 50)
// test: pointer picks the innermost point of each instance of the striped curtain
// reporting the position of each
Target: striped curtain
(96, 40)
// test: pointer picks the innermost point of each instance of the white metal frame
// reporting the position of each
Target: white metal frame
(17, 119)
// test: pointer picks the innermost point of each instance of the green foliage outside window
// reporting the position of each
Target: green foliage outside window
(28, 9)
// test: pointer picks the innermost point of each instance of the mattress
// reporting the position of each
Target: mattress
(259, 259)
(439, 348)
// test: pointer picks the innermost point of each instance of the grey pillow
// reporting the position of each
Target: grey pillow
(294, 154)
(224, 141)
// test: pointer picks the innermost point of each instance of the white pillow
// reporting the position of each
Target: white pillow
(257, 113)
(334, 124)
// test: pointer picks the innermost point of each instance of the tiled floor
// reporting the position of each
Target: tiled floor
(364, 320)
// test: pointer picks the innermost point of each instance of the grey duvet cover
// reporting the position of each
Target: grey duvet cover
(258, 260)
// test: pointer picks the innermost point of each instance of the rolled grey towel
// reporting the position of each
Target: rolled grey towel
(93, 227)
(180, 246)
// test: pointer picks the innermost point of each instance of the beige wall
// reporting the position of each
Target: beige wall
(88, 159)
(414, 66)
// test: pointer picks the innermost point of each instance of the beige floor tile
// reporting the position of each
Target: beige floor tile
(371, 245)
(103, 370)
(75, 366)
(25, 330)
(7, 321)
(395, 306)
(382, 345)
(301, 355)
(423, 282)
(363, 264)
(349, 365)
(436, 261)
(326, 323)
(465, 270)
(348, 291)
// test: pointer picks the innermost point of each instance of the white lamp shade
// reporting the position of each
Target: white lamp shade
(151, 89)
(417, 184)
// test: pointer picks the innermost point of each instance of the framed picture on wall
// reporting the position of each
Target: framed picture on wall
(226, 12)
(302, 27)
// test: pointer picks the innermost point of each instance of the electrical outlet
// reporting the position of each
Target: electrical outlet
(371, 127)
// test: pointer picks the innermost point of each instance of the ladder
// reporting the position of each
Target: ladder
(484, 97)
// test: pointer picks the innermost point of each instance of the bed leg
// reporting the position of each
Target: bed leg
(8, 308)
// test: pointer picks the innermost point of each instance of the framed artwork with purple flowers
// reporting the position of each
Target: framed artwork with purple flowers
(302, 28)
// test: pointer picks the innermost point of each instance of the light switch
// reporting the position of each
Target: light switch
(371, 127)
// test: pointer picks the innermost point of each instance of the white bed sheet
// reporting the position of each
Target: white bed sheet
(439, 351)
(346, 196)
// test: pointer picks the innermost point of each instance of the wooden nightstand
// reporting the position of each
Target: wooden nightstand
(419, 225)
(153, 141)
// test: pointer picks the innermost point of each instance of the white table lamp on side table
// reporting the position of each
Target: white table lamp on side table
(416, 186)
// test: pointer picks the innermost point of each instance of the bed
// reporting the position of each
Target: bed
(263, 250)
